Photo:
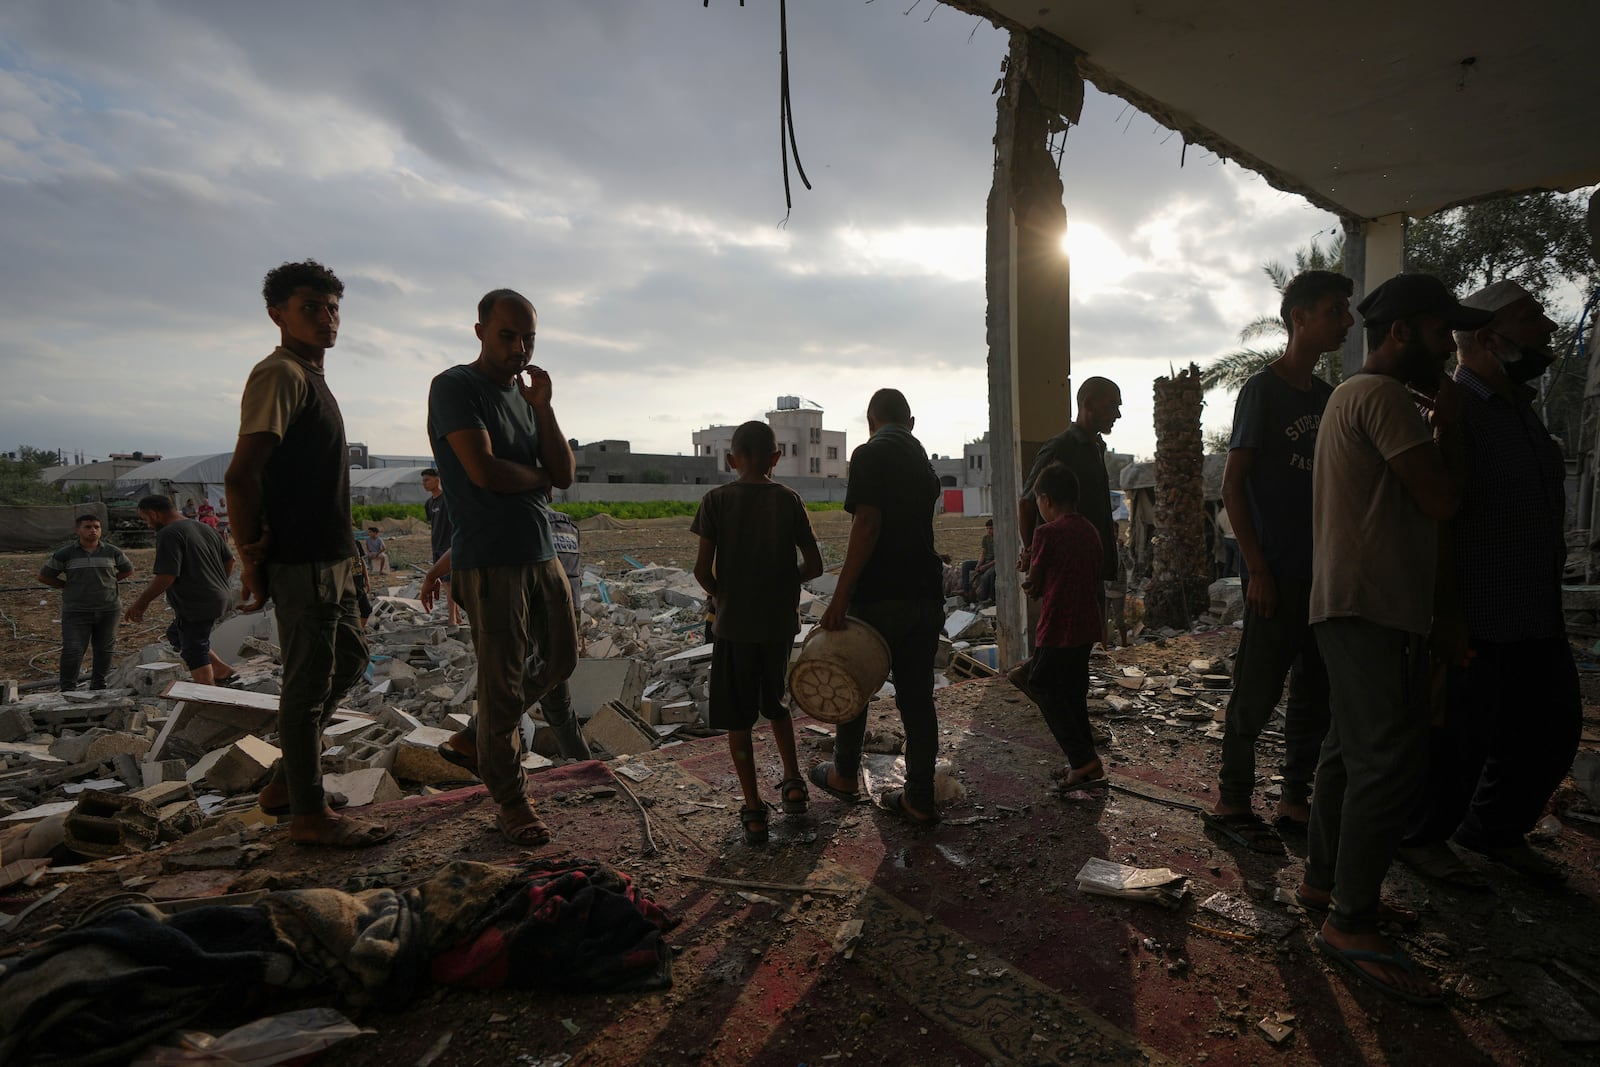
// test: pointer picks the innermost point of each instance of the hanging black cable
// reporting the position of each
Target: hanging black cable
(786, 142)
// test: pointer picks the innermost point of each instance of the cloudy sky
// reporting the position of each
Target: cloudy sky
(617, 162)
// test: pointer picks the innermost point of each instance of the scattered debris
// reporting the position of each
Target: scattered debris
(1159, 885)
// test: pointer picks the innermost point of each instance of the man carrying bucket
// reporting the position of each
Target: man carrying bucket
(891, 580)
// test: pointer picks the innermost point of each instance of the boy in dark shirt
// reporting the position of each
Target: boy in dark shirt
(1064, 573)
(749, 530)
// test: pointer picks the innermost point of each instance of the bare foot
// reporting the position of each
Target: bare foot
(1223, 808)
(1410, 981)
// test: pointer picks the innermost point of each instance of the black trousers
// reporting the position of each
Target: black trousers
(1512, 721)
(1060, 677)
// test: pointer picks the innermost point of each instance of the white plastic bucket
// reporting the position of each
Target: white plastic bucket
(837, 671)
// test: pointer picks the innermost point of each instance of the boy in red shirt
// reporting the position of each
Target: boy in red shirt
(1064, 573)
(749, 530)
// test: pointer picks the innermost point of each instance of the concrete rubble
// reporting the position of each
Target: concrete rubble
(155, 756)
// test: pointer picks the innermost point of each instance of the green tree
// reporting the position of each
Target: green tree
(1537, 240)
(20, 482)
(1265, 337)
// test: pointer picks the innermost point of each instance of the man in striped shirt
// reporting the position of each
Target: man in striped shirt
(87, 572)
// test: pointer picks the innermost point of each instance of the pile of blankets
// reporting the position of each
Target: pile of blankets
(100, 993)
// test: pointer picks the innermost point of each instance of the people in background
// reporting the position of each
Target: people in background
(87, 572)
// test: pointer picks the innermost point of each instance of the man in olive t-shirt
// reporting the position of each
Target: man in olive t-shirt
(289, 501)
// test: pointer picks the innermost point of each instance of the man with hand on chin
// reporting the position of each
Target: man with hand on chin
(499, 452)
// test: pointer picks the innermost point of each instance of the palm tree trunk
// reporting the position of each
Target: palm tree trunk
(1180, 574)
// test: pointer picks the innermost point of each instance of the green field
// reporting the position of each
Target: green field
(363, 514)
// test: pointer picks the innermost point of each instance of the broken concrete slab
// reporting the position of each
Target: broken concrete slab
(15, 724)
(370, 785)
(596, 682)
(616, 729)
(243, 765)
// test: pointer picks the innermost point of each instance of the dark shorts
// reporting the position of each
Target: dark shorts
(192, 639)
(747, 679)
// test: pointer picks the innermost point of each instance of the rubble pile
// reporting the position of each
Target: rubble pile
(157, 756)
(1193, 696)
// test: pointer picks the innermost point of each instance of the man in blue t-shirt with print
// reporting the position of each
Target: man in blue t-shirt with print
(499, 452)
(1266, 488)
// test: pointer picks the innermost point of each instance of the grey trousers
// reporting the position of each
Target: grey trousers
(1373, 765)
(1267, 649)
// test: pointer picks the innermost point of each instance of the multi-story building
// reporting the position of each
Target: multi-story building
(805, 449)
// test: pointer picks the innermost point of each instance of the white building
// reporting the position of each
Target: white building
(805, 449)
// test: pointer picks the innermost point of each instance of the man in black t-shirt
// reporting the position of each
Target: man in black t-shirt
(892, 579)
(1266, 487)
(1081, 448)
(192, 568)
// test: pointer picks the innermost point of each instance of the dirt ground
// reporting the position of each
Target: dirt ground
(31, 612)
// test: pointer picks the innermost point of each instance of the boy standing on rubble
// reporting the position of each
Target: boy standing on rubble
(1063, 573)
(749, 530)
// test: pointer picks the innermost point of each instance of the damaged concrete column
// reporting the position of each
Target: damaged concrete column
(1374, 252)
(1180, 577)
(1030, 389)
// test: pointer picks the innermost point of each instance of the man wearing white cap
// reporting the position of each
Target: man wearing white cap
(1514, 709)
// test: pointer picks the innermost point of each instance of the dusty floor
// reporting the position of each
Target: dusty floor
(976, 945)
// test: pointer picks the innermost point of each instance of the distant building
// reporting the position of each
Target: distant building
(616, 462)
(366, 460)
(805, 449)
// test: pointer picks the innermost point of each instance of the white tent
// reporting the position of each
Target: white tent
(181, 478)
(387, 485)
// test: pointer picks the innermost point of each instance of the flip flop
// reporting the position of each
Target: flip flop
(1099, 781)
(895, 801)
(1246, 829)
(794, 807)
(1349, 958)
(1285, 825)
(1393, 914)
(819, 778)
(529, 835)
(331, 799)
(352, 834)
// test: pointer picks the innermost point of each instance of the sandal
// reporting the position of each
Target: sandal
(350, 833)
(754, 823)
(1392, 914)
(330, 799)
(895, 800)
(1247, 829)
(530, 834)
(819, 778)
(454, 755)
(1351, 958)
(792, 806)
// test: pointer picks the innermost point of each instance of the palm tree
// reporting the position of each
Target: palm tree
(1232, 370)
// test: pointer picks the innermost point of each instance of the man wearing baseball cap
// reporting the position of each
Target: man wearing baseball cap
(1380, 487)
(1514, 712)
